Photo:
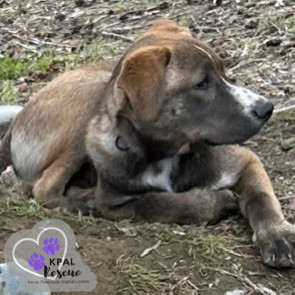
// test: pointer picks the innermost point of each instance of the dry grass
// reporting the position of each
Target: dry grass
(200, 242)
(30, 208)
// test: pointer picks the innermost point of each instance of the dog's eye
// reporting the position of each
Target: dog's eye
(204, 84)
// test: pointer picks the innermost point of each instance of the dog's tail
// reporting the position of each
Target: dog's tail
(5, 153)
(7, 114)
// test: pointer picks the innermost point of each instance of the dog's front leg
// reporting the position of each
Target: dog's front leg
(192, 207)
(274, 236)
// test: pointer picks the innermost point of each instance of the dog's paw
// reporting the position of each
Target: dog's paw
(277, 245)
(79, 201)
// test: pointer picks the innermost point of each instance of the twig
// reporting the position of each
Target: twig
(237, 254)
(284, 109)
(286, 198)
(117, 36)
(192, 285)
(149, 250)
(245, 281)
(180, 282)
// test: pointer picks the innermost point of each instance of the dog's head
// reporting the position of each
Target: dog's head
(174, 88)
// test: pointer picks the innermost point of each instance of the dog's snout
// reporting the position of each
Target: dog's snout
(263, 110)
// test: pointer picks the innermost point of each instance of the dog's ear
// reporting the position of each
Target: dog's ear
(163, 25)
(142, 79)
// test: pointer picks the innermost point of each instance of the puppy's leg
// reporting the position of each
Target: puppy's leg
(49, 188)
(195, 206)
(274, 235)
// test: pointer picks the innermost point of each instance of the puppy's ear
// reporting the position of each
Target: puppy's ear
(142, 79)
(163, 25)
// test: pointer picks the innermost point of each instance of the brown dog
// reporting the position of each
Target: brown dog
(155, 126)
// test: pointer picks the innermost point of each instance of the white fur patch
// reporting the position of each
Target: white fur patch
(28, 155)
(162, 178)
(106, 137)
(100, 139)
(226, 180)
(245, 97)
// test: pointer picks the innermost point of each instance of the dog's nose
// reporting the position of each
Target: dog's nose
(263, 110)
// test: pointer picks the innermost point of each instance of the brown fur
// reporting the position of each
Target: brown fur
(141, 78)
(154, 126)
(61, 128)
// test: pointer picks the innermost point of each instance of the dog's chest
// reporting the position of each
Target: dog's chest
(158, 175)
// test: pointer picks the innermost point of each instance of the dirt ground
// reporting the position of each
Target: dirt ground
(257, 41)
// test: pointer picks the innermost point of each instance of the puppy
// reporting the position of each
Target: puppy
(159, 127)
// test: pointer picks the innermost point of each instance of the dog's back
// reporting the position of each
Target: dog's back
(61, 111)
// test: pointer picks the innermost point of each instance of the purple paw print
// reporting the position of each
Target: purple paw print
(36, 262)
(51, 246)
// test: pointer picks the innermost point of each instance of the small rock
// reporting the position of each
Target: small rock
(251, 24)
(22, 87)
(288, 144)
(60, 17)
(236, 292)
(79, 2)
(10, 180)
(273, 42)
(164, 5)
(38, 75)
(123, 17)
(76, 29)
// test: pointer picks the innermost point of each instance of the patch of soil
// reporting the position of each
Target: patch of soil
(114, 253)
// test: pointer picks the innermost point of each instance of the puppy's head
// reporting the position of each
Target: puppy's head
(174, 89)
